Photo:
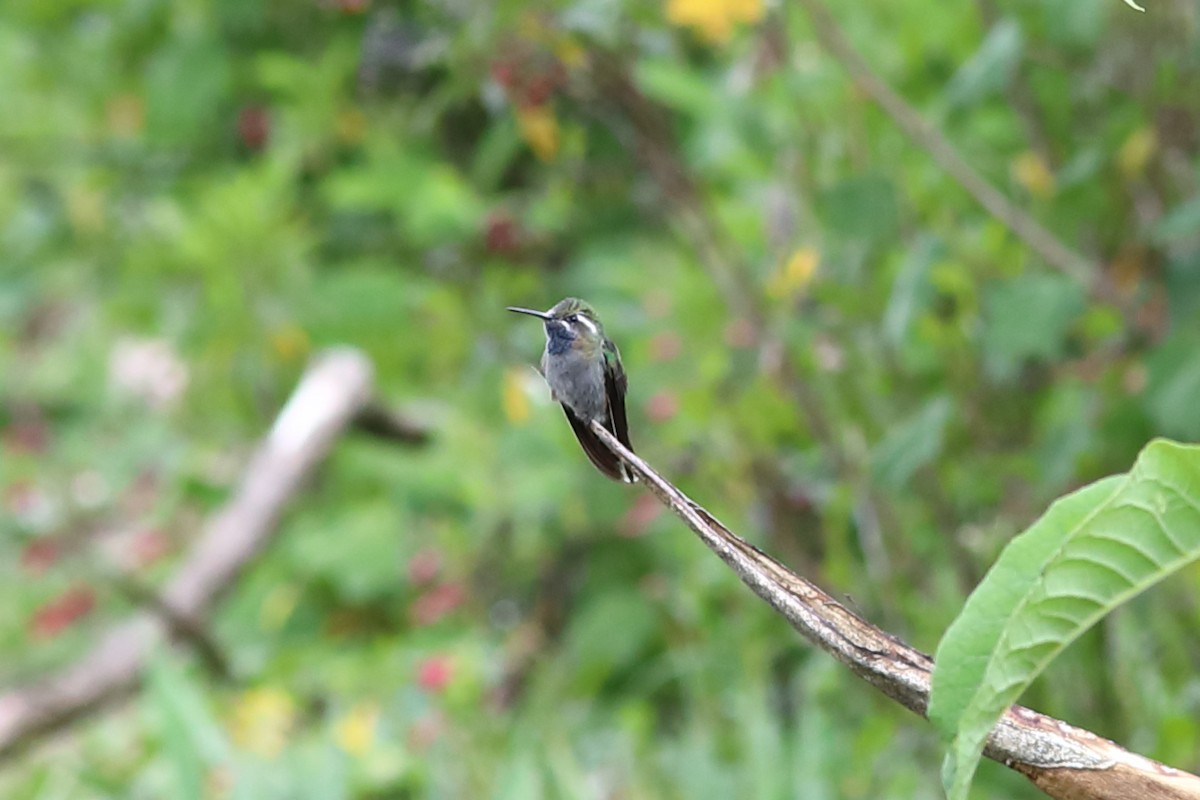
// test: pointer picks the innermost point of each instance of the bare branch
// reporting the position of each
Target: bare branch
(329, 395)
(1063, 761)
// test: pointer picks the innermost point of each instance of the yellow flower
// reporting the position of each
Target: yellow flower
(539, 129)
(278, 606)
(351, 126)
(1135, 153)
(290, 342)
(126, 115)
(85, 208)
(513, 397)
(1030, 170)
(570, 52)
(355, 732)
(795, 274)
(714, 19)
(263, 720)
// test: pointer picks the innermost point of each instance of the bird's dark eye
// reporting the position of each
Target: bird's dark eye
(573, 318)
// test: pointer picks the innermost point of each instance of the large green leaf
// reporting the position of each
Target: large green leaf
(1092, 551)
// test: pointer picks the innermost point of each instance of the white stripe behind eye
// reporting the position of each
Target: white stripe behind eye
(591, 325)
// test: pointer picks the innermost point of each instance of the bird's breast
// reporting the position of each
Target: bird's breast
(578, 383)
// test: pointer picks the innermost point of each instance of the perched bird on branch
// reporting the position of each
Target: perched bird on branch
(584, 371)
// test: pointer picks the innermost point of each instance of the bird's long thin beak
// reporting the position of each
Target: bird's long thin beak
(539, 314)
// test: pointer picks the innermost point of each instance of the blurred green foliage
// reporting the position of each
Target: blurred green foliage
(829, 343)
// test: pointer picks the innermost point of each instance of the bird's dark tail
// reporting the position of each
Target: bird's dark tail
(597, 452)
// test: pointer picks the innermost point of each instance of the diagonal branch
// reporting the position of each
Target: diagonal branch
(326, 401)
(1037, 238)
(1063, 761)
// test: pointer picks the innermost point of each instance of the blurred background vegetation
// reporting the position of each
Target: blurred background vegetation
(830, 343)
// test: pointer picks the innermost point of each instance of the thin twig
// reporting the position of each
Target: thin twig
(326, 400)
(1063, 761)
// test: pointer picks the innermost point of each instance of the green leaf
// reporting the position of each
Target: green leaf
(191, 735)
(911, 290)
(862, 207)
(1181, 222)
(1071, 25)
(677, 86)
(186, 83)
(1027, 317)
(361, 561)
(912, 444)
(608, 635)
(991, 68)
(1091, 552)
(519, 777)
(433, 204)
(1183, 287)
(500, 146)
(1173, 373)
(1064, 427)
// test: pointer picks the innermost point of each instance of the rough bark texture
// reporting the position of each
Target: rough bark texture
(1063, 761)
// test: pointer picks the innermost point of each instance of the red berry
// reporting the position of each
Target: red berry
(662, 406)
(149, 546)
(740, 333)
(425, 566)
(40, 555)
(666, 346)
(502, 236)
(504, 73)
(436, 603)
(57, 615)
(435, 673)
(253, 127)
(537, 91)
(637, 519)
(27, 436)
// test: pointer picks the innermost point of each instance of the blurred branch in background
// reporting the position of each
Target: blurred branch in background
(1040, 240)
(1063, 761)
(329, 396)
(386, 423)
(184, 628)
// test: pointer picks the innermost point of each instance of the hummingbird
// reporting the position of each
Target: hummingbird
(584, 371)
